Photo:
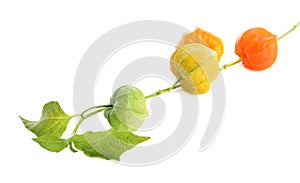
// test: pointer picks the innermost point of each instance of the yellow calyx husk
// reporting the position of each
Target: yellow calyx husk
(196, 65)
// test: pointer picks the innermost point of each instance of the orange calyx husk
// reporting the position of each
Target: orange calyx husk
(257, 48)
(208, 39)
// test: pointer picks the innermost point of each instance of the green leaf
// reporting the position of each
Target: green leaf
(81, 144)
(129, 109)
(54, 121)
(51, 143)
(109, 144)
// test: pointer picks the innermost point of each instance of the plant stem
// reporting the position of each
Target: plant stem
(280, 37)
(70, 143)
(75, 115)
(289, 31)
(95, 107)
(85, 117)
(166, 90)
(230, 64)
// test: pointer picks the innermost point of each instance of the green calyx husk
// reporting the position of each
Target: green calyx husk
(129, 109)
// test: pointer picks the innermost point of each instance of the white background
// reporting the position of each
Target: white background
(41, 45)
